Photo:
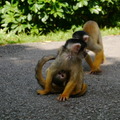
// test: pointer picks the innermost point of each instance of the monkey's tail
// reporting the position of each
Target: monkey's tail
(38, 69)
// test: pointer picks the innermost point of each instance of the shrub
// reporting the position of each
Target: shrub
(43, 16)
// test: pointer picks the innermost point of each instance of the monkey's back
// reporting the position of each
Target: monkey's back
(92, 28)
(65, 62)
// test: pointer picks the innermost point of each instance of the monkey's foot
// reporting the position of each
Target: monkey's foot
(62, 97)
(42, 92)
(95, 71)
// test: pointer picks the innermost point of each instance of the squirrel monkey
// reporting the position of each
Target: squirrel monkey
(94, 44)
(67, 65)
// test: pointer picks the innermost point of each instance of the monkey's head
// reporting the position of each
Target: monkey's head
(61, 78)
(75, 45)
(81, 35)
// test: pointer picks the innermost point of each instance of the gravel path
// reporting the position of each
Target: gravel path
(18, 98)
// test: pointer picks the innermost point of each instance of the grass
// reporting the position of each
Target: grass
(11, 38)
(110, 31)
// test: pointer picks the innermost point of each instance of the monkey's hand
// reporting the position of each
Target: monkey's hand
(42, 92)
(62, 97)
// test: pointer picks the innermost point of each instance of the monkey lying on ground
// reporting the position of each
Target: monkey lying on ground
(67, 65)
(94, 44)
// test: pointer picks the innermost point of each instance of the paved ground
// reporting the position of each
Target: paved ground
(18, 98)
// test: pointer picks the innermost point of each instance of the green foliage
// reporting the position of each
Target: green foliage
(43, 16)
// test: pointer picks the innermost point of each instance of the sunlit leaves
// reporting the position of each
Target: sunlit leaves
(29, 17)
(42, 16)
(96, 9)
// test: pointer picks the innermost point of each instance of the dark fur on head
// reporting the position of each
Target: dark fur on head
(79, 35)
(73, 40)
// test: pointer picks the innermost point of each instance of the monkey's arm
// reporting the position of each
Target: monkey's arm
(67, 91)
(99, 59)
(89, 60)
(95, 65)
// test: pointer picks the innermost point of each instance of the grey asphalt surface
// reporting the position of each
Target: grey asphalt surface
(18, 98)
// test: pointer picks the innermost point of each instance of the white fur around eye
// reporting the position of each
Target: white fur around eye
(85, 37)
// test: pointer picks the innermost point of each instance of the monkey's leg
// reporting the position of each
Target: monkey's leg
(47, 84)
(79, 91)
(89, 61)
(67, 91)
(83, 90)
(99, 59)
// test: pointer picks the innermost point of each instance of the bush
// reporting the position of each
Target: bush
(43, 16)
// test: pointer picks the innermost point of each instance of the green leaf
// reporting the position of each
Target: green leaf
(4, 25)
(44, 18)
(14, 26)
(29, 17)
(96, 9)
(82, 3)
(7, 3)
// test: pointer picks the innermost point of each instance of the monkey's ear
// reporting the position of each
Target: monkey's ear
(85, 38)
(76, 47)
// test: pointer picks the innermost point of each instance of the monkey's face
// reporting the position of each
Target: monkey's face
(75, 45)
(61, 78)
(74, 48)
(61, 75)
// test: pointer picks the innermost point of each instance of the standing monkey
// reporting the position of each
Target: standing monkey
(94, 44)
(68, 60)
